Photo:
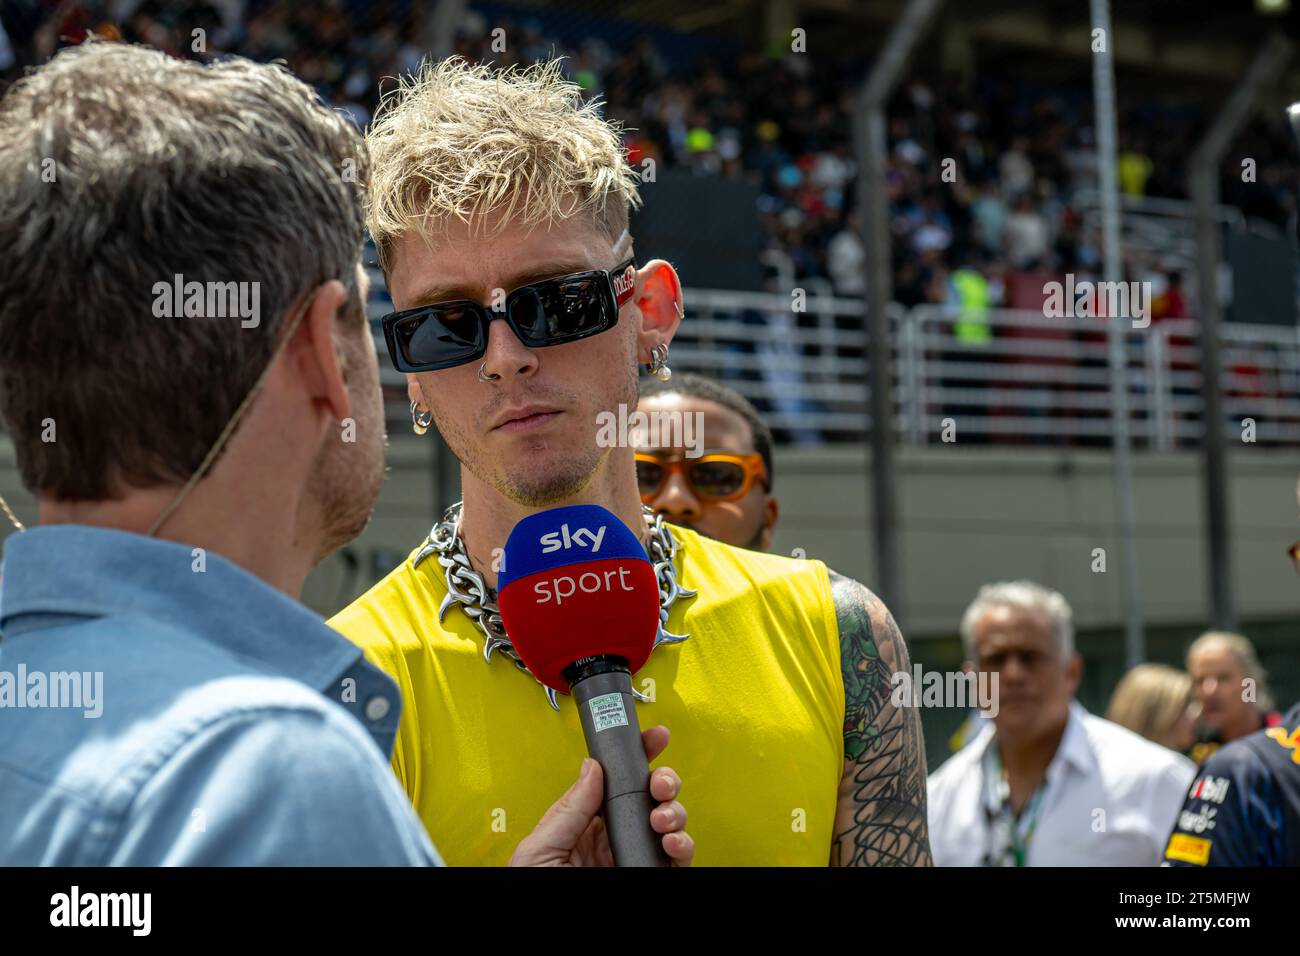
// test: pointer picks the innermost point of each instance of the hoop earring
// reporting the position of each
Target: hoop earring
(420, 421)
(484, 377)
(659, 363)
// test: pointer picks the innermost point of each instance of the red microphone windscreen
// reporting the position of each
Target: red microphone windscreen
(577, 583)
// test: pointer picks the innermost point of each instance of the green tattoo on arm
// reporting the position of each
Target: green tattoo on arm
(880, 817)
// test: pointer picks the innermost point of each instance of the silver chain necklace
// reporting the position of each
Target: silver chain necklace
(467, 589)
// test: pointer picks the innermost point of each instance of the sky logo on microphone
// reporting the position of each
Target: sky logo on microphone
(561, 539)
(576, 582)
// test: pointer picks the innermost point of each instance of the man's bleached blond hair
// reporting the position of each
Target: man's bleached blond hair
(459, 142)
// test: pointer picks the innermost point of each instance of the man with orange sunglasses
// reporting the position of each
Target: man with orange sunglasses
(725, 492)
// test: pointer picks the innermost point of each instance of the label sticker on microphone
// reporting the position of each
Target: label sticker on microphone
(607, 711)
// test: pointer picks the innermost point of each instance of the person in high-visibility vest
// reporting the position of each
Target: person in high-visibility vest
(970, 292)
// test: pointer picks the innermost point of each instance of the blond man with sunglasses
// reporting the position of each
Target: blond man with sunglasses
(499, 204)
(184, 708)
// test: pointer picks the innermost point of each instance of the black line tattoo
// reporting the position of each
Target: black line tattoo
(880, 818)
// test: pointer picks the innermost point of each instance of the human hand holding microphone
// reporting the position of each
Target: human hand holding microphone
(573, 833)
(580, 601)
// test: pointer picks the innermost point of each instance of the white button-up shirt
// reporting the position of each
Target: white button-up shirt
(1110, 799)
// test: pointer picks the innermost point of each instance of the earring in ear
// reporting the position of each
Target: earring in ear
(659, 363)
(420, 420)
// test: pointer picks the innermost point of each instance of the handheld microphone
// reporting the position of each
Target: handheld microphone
(580, 601)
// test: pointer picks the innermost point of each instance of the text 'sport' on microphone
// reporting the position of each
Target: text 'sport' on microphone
(577, 583)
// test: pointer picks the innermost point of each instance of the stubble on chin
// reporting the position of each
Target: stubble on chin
(539, 486)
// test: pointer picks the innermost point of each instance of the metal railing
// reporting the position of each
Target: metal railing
(1035, 380)
(1261, 383)
(1045, 380)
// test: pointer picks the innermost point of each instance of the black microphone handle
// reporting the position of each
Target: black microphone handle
(603, 694)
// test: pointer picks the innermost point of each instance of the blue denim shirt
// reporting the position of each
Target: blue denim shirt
(159, 705)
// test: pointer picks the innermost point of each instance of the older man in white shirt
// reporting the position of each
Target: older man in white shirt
(1047, 784)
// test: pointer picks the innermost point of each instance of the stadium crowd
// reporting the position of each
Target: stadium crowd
(982, 237)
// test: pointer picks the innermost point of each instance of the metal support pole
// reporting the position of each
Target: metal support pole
(1103, 87)
(872, 146)
(1262, 75)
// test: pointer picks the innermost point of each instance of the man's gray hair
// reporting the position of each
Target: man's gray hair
(121, 168)
(1023, 596)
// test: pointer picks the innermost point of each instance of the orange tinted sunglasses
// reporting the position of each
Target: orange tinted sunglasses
(716, 477)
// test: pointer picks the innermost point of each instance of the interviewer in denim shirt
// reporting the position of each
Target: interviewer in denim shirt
(192, 391)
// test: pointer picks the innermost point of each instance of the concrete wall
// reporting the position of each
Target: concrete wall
(973, 515)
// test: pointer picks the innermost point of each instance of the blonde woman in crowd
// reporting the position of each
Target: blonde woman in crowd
(1155, 700)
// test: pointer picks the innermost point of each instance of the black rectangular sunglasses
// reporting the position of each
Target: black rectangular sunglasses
(549, 312)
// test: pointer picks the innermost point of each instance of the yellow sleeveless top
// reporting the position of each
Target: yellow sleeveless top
(754, 700)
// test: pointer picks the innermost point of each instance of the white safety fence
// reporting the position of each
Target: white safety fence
(1033, 380)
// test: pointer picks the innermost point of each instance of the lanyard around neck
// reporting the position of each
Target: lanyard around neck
(1020, 829)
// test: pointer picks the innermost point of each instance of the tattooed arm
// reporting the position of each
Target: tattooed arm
(880, 815)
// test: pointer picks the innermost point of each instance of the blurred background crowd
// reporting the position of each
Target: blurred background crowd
(1026, 155)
